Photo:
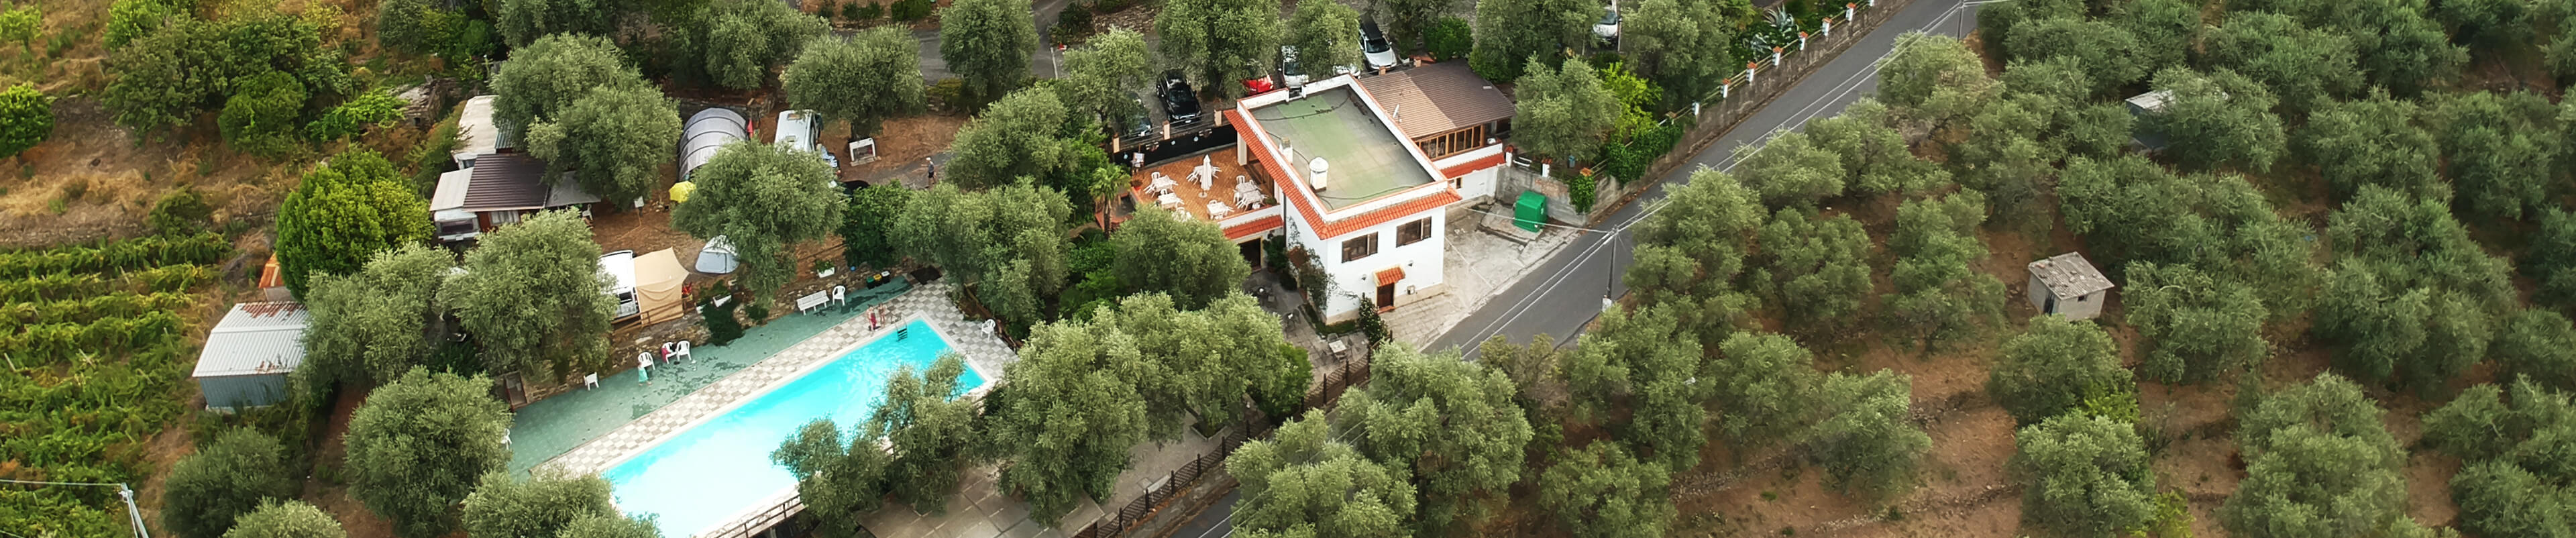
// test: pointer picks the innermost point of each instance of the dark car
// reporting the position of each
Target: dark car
(1139, 124)
(1180, 103)
(1374, 47)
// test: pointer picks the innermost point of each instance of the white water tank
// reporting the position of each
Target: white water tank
(1318, 167)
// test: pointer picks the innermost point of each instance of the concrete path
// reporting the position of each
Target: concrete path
(1565, 293)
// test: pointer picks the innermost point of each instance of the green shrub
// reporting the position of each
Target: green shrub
(1579, 192)
(206, 490)
(181, 212)
(722, 327)
(1073, 25)
(1450, 39)
(757, 311)
(910, 10)
(946, 94)
(287, 519)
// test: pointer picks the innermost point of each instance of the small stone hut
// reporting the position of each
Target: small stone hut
(2068, 285)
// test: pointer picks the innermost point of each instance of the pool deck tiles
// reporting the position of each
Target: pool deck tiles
(985, 352)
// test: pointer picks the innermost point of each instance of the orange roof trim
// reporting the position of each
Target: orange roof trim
(1471, 167)
(1249, 229)
(1390, 275)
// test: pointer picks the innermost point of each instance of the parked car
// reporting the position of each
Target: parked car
(1180, 102)
(1607, 31)
(1139, 124)
(1259, 85)
(1374, 46)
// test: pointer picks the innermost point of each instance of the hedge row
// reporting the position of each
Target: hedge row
(104, 338)
(121, 255)
(57, 287)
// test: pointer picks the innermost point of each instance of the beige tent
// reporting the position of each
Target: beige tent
(657, 286)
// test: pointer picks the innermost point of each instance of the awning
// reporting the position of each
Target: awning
(658, 276)
(1390, 275)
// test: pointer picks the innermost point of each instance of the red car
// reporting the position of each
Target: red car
(1259, 85)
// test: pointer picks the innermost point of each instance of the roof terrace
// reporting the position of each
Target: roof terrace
(1364, 158)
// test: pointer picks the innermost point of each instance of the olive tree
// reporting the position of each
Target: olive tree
(1191, 260)
(2196, 326)
(2056, 366)
(2550, 260)
(2518, 479)
(2501, 150)
(841, 482)
(2372, 141)
(1453, 426)
(1072, 407)
(1875, 157)
(286, 519)
(376, 324)
(541, 505)
(1009, 242)
(988, 43)
(1326, 35)
(867, 227)
(533, 295)
(763, 199)
(1511, 32)
(1642, 362)
(1815, 268)
(2318, 463)
(2539, 346)
(2108, 52)
(2305, 66)
(1685, 46)
(228, 478)
(931, 431)
(1564, 112)
(418, 445)
(1304, 482)
(1932, 80)
(1209, 360)
(574, 102)
(2414, 300)
(1938, 295)
(1017, 137)
(2131, 210)
(2218, 118)
(1764, 386)
(2083, 475)
(1864, 441)
(1791, 170)
(1104, 75)
(1602, 492)
(735, 43)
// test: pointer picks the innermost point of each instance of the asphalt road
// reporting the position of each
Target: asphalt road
(1566, 292)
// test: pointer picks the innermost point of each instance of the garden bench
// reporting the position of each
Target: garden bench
(807, 303)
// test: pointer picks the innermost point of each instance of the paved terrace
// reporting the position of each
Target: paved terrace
(581, 411)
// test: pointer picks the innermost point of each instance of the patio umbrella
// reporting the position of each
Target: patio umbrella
(680, 191)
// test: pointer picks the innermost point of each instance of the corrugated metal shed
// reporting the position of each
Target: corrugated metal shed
(706, 132)
(477, 132)
(1438, 98)
(254, 339)
(2069, 275)
(509, 181)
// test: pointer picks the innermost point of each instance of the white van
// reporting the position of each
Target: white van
(619, 266)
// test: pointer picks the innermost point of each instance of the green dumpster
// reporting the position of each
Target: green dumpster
(1529, 211)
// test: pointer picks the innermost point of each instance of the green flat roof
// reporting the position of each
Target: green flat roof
(1364, 158)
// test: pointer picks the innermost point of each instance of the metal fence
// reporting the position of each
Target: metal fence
(1322, 394)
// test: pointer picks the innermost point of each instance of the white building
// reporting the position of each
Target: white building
(1359, 194)
(478, 133)
(2068, 285)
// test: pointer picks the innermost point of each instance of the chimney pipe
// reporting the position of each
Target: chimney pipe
(1318, 167)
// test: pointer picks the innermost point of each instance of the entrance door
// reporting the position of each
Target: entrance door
(2051, 305)
(1251, 251)
(1385, 295)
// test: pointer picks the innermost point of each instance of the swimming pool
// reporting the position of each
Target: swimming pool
(702, 476)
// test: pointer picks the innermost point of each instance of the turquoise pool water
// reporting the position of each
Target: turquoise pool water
(710, 472)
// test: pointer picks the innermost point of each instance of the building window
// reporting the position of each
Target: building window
(1453, 142)
(1359, 247)
(1413, 232)
(504, 217)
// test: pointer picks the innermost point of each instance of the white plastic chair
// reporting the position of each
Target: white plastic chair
(840, 295)
(590, 381)
(680, 349)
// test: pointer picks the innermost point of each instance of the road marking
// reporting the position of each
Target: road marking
(1811, 110)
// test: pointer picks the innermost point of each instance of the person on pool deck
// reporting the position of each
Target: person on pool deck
(644, 367)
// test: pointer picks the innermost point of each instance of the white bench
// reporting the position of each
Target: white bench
(807, 303)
